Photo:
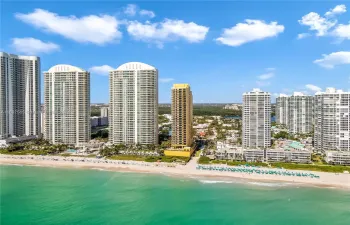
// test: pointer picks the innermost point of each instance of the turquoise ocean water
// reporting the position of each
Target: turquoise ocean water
(38, 195)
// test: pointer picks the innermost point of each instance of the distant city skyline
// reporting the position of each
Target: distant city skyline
(305, 47)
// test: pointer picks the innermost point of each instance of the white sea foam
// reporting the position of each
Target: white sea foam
(264, 184)
(13, 164)
(215, 181)
(37, 165)
(94, 168)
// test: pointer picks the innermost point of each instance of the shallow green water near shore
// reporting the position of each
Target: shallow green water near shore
(38, 195)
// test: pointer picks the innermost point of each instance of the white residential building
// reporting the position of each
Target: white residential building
(67, 105)
(42, 118)
(296, 112)
(256, 123)
(338, 157)
(133, 115)
(300, 113)
(97, 121)
(332, 120)
(104, 111)
(19, 95)
(282, 109)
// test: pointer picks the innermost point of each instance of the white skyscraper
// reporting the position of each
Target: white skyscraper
(42, 118)
(256, 121)
(296, 112)
(282, 109)
(133, 115)
(67, 105)
(19, 95)
(332, 120)
(300, 113)
(104, 111)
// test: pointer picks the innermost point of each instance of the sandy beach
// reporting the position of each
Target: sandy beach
(191, 169)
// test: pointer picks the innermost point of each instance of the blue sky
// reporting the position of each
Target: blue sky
(221, 49)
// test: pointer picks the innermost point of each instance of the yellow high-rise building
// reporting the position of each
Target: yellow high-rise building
(181, 111)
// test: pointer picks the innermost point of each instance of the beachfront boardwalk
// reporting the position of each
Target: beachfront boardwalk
(193, 163)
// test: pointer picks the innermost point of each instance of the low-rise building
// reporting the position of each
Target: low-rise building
(97, 121)
(92, 145)
(226, 151)
(179, 150)
(201, 126)
(233, 106)
(282, 155)
(254, 155)
(14, 140)
(292, 152)
(338, 157)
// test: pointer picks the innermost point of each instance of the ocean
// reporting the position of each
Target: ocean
(39, 195)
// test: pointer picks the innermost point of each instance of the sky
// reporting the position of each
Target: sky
(221, 48)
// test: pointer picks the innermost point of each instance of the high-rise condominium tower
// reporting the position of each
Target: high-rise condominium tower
(300, 113)
(19, 95)
(67, 105)
(256, 121)
(133, 107)
(181, 111)
(296, 112)
(282, 109)
(104, 111)
(332, 120)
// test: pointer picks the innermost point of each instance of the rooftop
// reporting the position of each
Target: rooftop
(65, 68)
(180, 86)
(135, 66)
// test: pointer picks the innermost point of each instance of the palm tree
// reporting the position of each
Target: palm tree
(138, 146)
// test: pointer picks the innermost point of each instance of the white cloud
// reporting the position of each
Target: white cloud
(263, 83)
(303, 35)
(270, 69)
(266, 76)
(251, 30)
(130, 9)
(32, 46)
(101, 70)
(88, 29)
(148, 13)
(165, 80)
(327, 25)
(333, 59)
(317, 23)
(166, 31)
(313, 88)
(262, 79)
(342, 31)
(339, 9)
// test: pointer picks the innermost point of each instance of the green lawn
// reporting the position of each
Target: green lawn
(24, 152)
(150, 158)
(198, 153)
(320, 168)
(127, 157)
(238, 163)
(291, 166)
(318, 160)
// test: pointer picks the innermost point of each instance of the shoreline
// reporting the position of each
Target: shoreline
(326, 180)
